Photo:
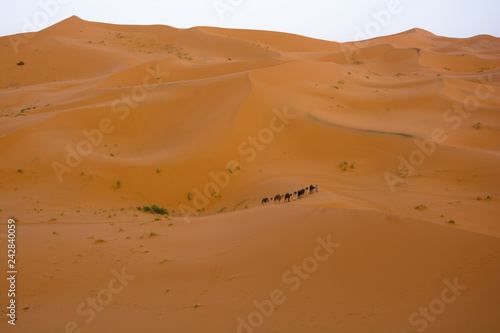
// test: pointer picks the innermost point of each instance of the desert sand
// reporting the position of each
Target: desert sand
(401, 134)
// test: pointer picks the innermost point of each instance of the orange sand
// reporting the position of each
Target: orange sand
(152, 113)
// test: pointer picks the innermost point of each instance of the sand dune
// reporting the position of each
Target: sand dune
(401, 133)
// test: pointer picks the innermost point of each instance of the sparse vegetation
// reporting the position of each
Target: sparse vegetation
(153, 234)
(19, 170)
(54, 232)
(347, 165)
(99, 241)
(163, 261)
(189, 195)
(20, 63)
(155, 209)
(117, 185)
(404, 173)
(421, 207)
(451, 221)
(221, 210)
(215, 195)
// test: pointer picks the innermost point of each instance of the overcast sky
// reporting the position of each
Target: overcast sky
(340, 20)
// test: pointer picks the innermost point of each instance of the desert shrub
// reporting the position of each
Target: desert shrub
(344, 165)
(117, 185)
(421, 207)
(155, 209)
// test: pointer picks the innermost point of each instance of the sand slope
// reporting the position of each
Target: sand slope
(206, 121)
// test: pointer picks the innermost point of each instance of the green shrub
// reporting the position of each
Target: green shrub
(344, 165)
(155, 209)
(117, 185)
(421, 207)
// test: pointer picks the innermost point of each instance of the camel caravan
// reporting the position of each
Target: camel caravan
(296, 195)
